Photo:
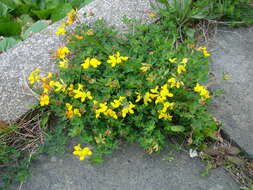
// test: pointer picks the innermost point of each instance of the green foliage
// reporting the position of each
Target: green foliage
(36, 27)
(149, 47)
(189, 11)
(7, 43)
(18, 18)
(247, 188)
(55, 141)
(13, 165)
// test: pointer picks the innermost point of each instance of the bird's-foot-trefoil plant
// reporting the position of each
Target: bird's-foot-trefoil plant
(143, 86)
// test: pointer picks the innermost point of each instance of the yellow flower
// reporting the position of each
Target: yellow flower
(82, 153)
(47, 78)
(184, 61)
(69, 112)
(204, 93)
(94, 62)
(88, 95)
(121, 98)
(147, 98)
(152, 14)
(62, 52)
(79, 37)
(63, 63)
(116, 59)
(34, 76)
(46, 87)
(70, 90)
(172, 60)
(145, 67)
(204, 51)
(77, 112)
(86, 63)
(111, 113)
(168, 105)
(72, 16)
(138, 98)
(78, 93)
(61, 30)
(165, 92)
(57, 84)
(90, 62)
(115, 103)
(90, 32)
(44, 100)
(206, 54)
(102, 109)
(198, 88)
(180, 69)
(174, 83)
(164, 115)
(77, 148)
(128, 109)
(154, 90)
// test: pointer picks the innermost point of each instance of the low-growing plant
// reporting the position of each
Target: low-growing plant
(188, 13)
(142, 86)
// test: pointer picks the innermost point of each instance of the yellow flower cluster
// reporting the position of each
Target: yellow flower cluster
(56, 85)
(70, 112)
(72, 16)
(103, 108)
(44, 100)
(79, 93)
(34, 76)
(116, 103)
(204, 51)
(45, 82)
(90, 62)
(182, 66)
(63, 63)
(62, 52)
(70, 20)
(175, 83)
(204, 93)
(82, 153)
(116, 59)
(172, 60)
(128, 109)
(160, 95)
(145, 67)
(61, 30)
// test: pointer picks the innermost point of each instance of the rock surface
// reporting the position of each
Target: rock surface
(18, 62)
(233, 57)
(129, 168)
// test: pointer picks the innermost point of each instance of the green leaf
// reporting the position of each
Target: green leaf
(52, 4)
(11, 4)
(25, 19)
(85, 2)
(177, 128)
(36, 27)
(61, 11)
(10, 28)
(7, 43)
(3, 9)
(43, 14)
